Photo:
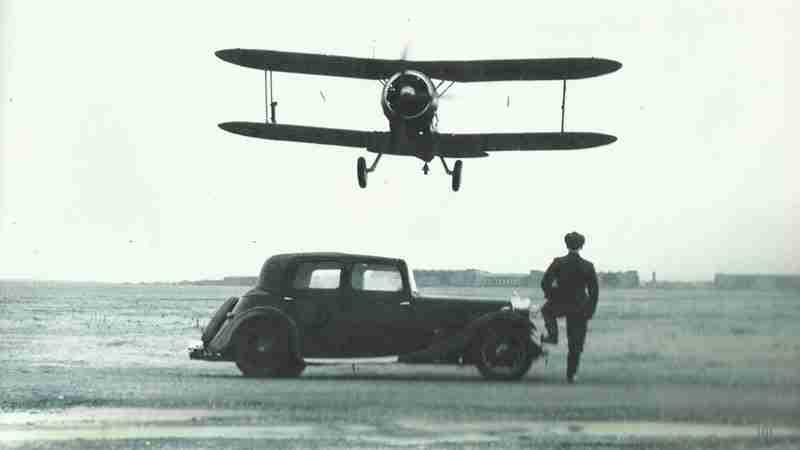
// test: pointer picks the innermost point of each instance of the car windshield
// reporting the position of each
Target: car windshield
(411, 281)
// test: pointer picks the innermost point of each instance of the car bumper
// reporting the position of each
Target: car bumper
(197, 351)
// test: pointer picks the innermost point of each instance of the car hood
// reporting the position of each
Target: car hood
(456, 310)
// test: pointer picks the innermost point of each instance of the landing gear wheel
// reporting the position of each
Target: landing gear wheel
(456, 175)
(361, 171)
(504, 354)
(262, 350)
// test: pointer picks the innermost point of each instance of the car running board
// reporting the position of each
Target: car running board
(350, 361)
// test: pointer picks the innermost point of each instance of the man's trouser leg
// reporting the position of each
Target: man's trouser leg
(576, 335)
(550, 314)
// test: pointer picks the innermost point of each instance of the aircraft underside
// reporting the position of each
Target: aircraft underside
(409, 138)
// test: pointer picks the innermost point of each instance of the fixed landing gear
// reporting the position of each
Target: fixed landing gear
(362, 170)
(455, 174)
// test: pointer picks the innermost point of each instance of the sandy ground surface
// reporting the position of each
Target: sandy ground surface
(105, 367)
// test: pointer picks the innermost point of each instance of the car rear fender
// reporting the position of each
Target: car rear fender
(218, 319)
(223, 341)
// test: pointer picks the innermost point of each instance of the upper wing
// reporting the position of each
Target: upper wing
(297, 133)
(476, 145)
(461, 71)
(519, 69)
(338, 66)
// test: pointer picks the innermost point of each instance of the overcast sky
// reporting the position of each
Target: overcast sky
(112, 167)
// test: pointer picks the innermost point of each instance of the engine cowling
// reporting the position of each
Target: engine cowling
(409, 95)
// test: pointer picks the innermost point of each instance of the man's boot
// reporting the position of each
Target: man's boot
(551, 324)
(573, 360)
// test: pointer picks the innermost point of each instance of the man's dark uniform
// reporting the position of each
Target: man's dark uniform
(574, 295)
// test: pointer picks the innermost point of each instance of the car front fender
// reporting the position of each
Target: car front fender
(459, 343)
(223, 341)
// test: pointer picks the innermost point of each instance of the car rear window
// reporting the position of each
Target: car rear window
(376, 277)
(317, 275)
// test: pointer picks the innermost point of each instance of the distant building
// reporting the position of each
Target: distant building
(757, 281)
(627, 279)
(469, 277)
(477, 278)
(535, 278)
(503, 279)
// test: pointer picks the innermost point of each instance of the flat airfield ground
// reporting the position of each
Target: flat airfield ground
(105, 366)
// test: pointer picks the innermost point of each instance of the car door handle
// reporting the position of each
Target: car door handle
(288, 299)
(405, 303)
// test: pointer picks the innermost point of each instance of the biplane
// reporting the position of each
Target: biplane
(410, 96)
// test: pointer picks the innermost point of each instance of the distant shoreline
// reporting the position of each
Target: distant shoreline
(474, 279)
(662, 285)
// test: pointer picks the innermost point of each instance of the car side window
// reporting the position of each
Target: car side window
(317, 275)
(376, 277)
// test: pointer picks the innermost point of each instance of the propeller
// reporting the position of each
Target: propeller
(404, 55)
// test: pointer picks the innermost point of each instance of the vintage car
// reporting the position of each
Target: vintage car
(315, 308)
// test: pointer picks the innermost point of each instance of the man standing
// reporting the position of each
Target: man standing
(573, 277)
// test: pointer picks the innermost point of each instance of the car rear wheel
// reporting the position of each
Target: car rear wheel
(504, 354)
(262, 350)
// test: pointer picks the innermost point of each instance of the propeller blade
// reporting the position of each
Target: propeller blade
(404, 56)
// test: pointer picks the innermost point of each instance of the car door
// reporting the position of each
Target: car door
(313, 300)
(378, 311)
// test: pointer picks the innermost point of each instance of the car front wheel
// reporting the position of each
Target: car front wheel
(504, 354)
(262, 350)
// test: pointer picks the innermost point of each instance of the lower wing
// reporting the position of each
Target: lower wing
(447, 144)
(298, 133)
(478, 144)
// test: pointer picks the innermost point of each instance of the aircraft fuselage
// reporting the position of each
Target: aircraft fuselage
(409, 102)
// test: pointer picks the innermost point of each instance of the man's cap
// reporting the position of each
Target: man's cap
(574, 240)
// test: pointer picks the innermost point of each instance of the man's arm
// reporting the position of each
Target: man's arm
(594, 291)
(547, 279)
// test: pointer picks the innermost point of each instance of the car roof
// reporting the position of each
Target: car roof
(331, 255)
(272, 271)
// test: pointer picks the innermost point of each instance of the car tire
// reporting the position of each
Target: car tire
(503, 353)
(263, 349)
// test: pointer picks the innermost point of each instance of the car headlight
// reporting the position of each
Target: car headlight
(520, 303)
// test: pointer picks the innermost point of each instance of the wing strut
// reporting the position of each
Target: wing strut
(269, 97)
(563, 101)
(447, 88)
